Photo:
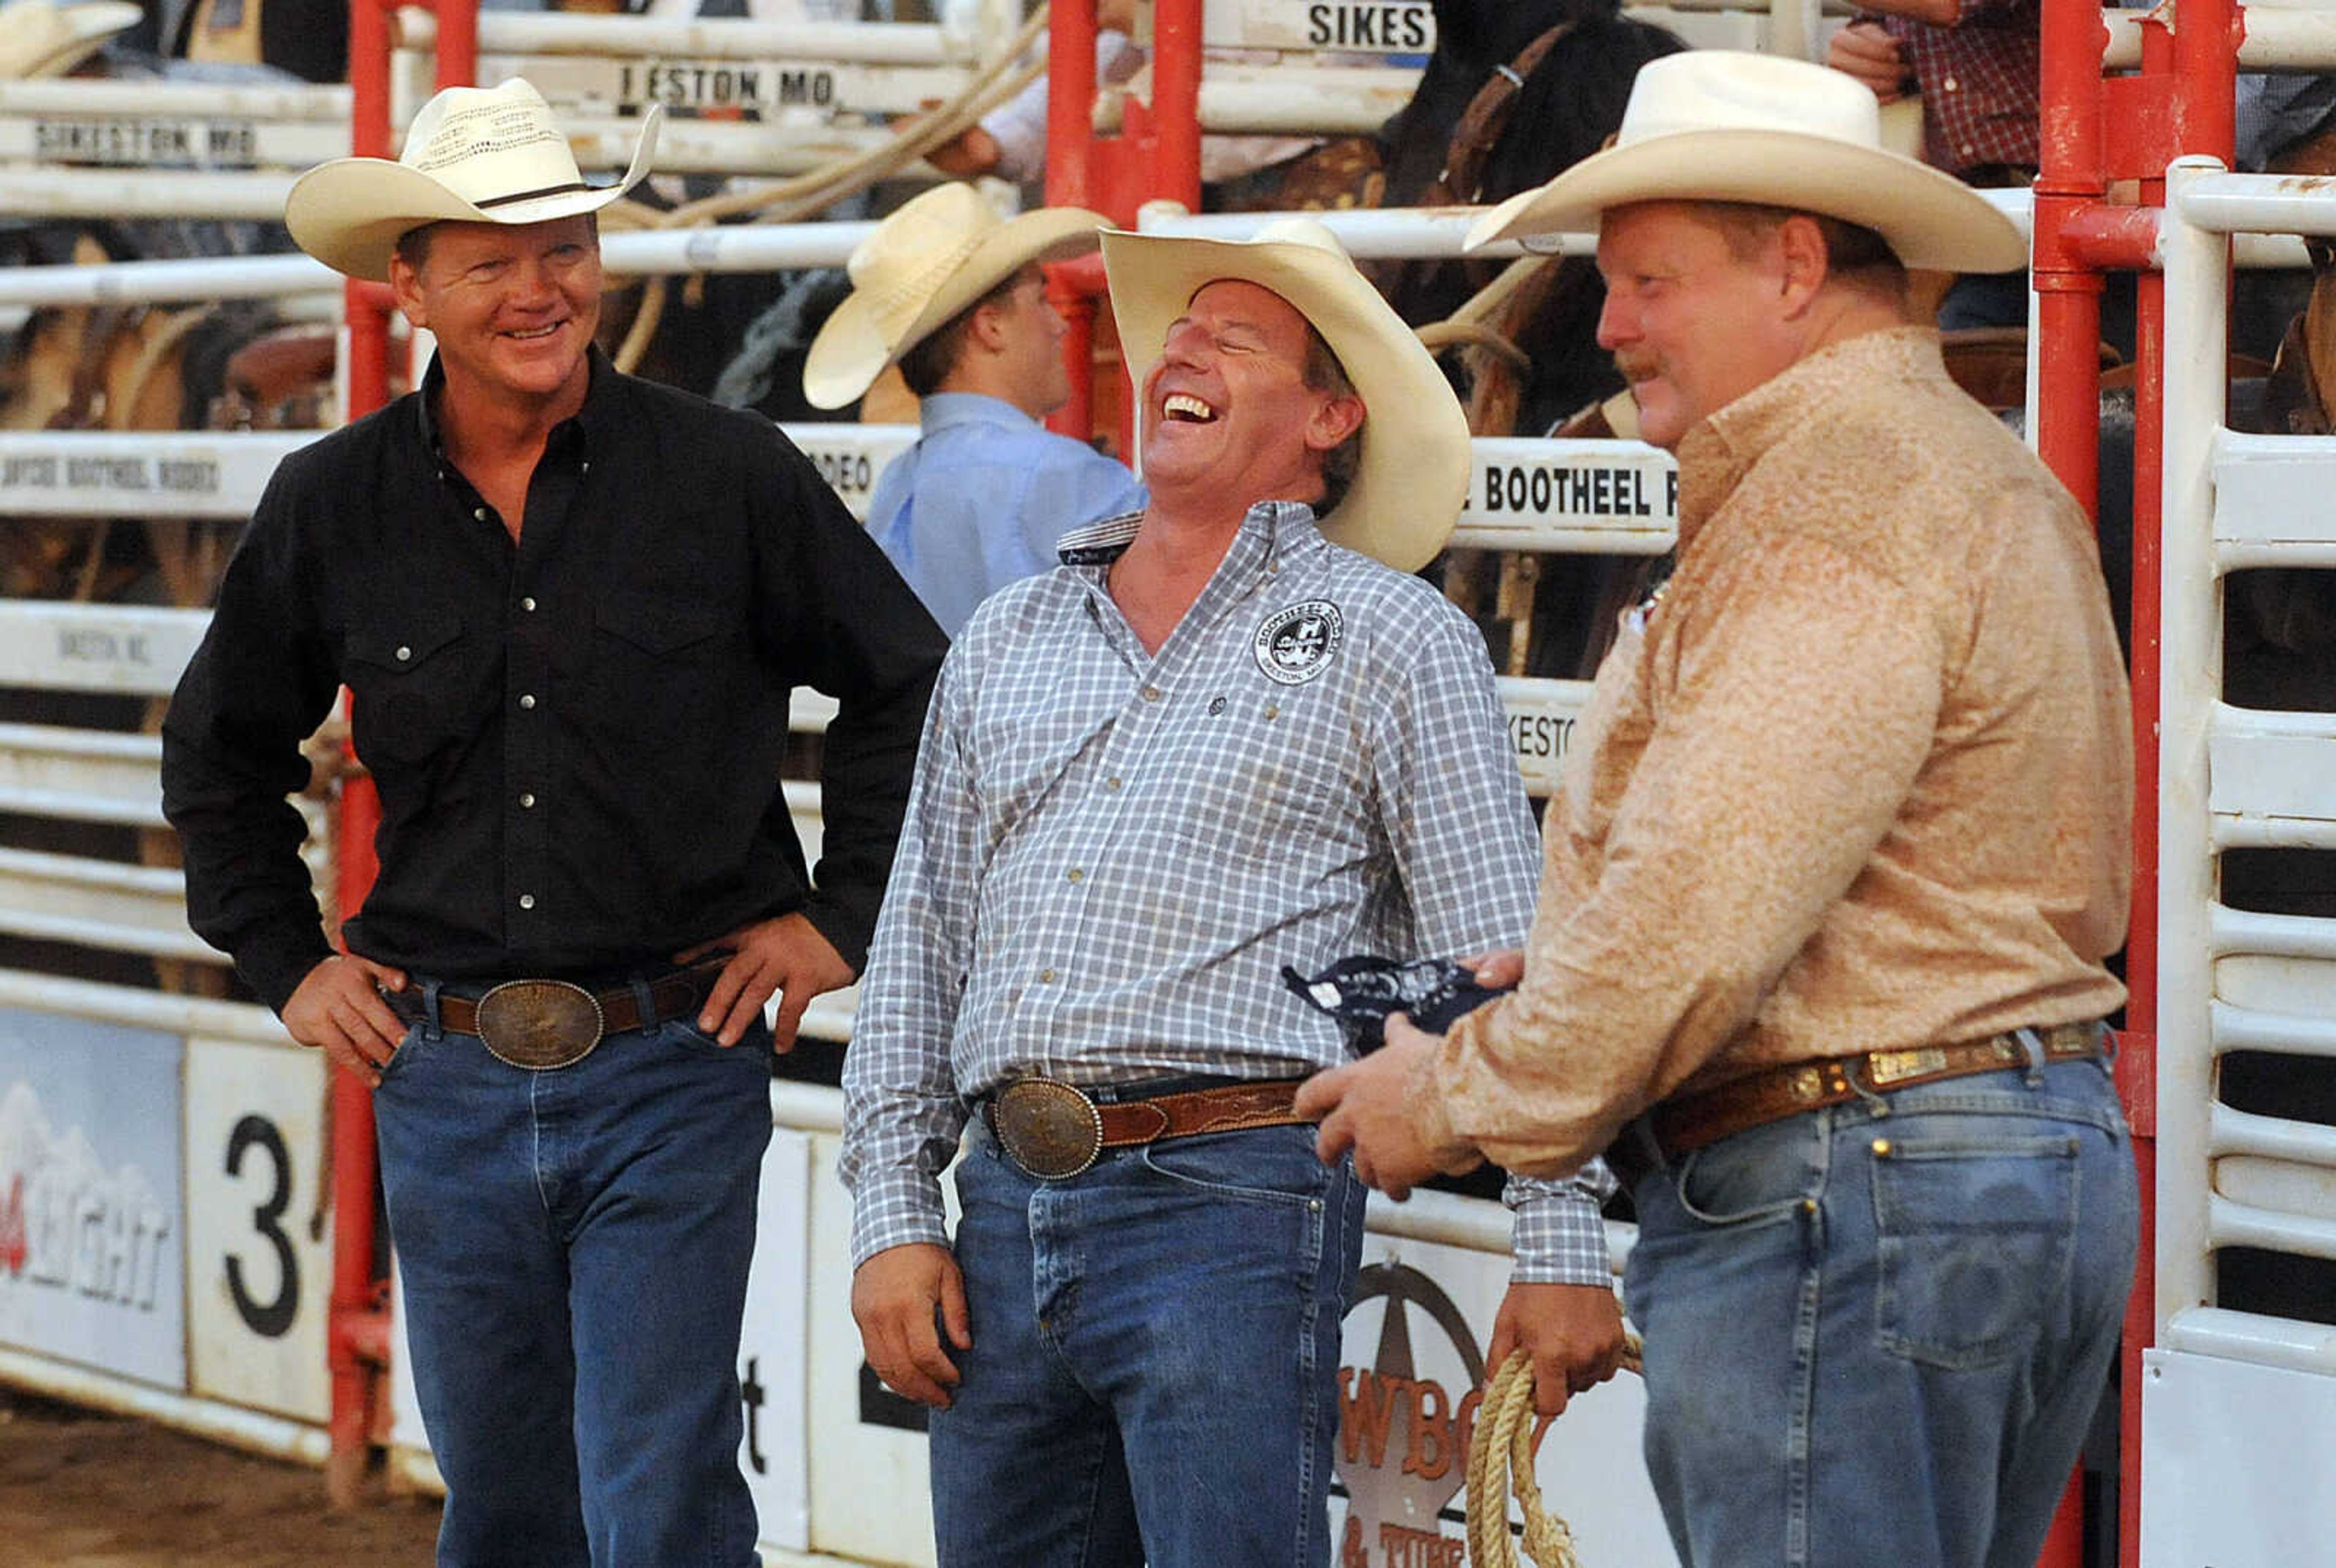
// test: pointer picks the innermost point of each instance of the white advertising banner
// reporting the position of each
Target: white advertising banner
(91, 1209)
(773, 1345)
(1408, 1395)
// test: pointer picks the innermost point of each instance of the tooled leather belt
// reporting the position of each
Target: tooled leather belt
(1053, 1130)
(540, 1024)
(1682, 1125)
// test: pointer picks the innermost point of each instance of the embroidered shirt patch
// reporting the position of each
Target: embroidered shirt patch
(1295, 645)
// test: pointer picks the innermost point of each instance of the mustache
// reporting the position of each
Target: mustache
(1636, 366)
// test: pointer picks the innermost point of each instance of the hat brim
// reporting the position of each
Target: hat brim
(1412, 477)
(349, 213)
(1931, 220)
(86, 27)
(852, 347)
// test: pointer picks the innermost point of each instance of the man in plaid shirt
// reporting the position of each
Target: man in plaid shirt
(1977, 65)
(1219, 740)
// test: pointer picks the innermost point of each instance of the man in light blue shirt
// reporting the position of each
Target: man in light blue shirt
(955, 296)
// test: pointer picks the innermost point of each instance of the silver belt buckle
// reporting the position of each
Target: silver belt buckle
(1050, 1129)
(540, 1024)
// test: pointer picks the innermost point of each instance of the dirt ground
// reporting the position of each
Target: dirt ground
(83, 1490)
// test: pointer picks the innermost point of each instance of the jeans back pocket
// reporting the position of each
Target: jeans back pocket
(1974, 1238)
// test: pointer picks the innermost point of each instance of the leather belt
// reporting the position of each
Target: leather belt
(540, 1024)
(1053, 1130)
(1682, 1125)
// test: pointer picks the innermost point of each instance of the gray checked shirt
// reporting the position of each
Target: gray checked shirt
(1109, 854)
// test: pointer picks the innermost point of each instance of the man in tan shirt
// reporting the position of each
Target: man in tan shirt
(1841, 849)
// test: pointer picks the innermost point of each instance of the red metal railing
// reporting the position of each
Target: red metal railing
(357, 1332)
(2098, 131)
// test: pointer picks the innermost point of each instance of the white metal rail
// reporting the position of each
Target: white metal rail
(2230, 980)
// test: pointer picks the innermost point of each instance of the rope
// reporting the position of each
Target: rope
(787, 199)
(1502, 1451)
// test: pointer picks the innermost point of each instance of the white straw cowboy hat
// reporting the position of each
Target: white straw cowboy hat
(1714, 125)
(41, 39)
(927, 261)
(1413, 475)
(473, 155)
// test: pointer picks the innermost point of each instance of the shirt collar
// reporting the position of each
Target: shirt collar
(943, 410)
(1717, 453)
(594, 421)
(1271, 530)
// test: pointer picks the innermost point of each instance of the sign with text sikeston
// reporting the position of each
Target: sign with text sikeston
(129, 142)
(1345, 26)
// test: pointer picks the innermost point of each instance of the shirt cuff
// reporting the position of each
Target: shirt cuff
(894, 1208)
(274, 966)
(1558, 1236)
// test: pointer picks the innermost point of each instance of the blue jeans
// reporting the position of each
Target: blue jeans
(1154, 1376)
(573, 1248)
(1877, 1332)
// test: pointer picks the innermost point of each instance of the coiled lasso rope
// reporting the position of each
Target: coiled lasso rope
(1502, 1452)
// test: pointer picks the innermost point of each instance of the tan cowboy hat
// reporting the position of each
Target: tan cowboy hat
(927, 261)
(1413, 475)
(41, 39)
(473, 155)
(1714, 125)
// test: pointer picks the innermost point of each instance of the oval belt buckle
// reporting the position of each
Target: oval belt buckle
(1049, 1129)
(540, 1024)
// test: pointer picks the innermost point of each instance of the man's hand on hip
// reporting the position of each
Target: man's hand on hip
(338, 1008)
(895, 1296)
(786, 956)
(1572, 1332)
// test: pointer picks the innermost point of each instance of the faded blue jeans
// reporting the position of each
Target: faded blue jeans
(1153, 1374)
(1876, 1333)
(573, 1247)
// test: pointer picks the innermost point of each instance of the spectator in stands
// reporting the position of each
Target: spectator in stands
(954, 295)
(1976, 64)
(1218, 741)
(40, 38)
(570, 606)
(1828, 894)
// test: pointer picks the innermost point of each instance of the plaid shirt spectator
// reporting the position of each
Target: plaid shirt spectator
(1979, 81)
(1110, 854)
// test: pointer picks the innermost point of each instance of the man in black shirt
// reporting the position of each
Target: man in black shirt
(570, 607)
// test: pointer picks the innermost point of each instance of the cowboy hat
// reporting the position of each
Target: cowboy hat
(935, 257)
(1714, 125)
(38, 38)
(473, 155)
(1413, 474)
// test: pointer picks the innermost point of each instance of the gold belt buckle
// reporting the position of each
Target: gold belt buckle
(1050, 1129)
(540, 1024)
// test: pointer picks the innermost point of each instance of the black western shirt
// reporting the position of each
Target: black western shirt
(577, 737)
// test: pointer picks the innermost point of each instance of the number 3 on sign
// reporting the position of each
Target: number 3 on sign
(270, 1318)
(255, 1139)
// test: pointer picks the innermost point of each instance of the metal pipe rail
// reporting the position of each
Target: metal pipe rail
(860, 42)
(81, 774)
(729, 247)
(2286, 39)
(2233, 980)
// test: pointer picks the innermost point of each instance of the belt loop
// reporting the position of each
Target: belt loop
(2031, 1045)
(645, 1003)
(1640, 1133)
(432, 1029)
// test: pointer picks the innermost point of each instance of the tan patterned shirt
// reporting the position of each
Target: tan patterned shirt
(1859, 780)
